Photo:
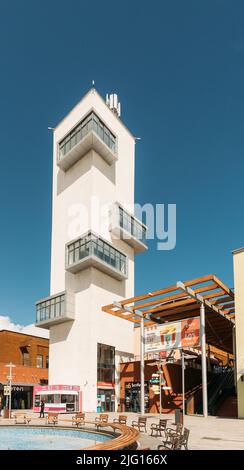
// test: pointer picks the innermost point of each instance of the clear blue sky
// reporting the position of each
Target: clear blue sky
(178, 67)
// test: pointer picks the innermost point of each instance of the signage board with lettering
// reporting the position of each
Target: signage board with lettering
(6, 390)
(174, 335)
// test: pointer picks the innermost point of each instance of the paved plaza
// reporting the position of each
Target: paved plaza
(210, 433)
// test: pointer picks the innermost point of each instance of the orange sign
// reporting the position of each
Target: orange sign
(190, 333)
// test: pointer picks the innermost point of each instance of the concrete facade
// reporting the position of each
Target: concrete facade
(90, 183)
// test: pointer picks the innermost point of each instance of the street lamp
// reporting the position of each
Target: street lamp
(10, 378)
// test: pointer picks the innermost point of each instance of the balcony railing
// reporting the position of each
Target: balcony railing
(128, 228)
(91, 132)
(91, 250)
(54, 309)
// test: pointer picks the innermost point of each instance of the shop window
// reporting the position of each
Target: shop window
(105, 363)
(26, 358)
(39, 361)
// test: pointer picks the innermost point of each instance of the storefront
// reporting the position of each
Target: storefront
(61, 398)
(105, 378)
(105, 400)
(21, 398)
(132, 394)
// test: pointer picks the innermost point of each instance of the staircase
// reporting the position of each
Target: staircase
(223, 390)
(221, 396)
(220, 389)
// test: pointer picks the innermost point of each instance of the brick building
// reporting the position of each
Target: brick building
(30, 355)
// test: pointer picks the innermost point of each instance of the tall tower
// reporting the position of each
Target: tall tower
(94, 238)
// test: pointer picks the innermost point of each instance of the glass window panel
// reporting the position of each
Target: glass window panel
(39, 361)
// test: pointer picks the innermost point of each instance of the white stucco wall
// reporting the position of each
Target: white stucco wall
(73, 345)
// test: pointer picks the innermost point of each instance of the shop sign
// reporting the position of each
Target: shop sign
(6, 390)
(53, 388)
(134, 385)
(174, 335)
(155, 389)
(155, 379)
(16, 388)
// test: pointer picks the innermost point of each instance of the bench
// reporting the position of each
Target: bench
(122, 419)
(52, 418)
(78, 419)
(21, 418)
(101, 420)
(128, 437)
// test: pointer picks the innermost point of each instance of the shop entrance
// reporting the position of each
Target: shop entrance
(105, 400)
(21, 397)
(133, 397)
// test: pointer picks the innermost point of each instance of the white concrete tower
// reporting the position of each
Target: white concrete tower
(94, 238)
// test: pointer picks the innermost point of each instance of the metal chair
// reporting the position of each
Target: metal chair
(140, 424)
(173, 444)
(171, 433)
(185, 438)
(157, 429)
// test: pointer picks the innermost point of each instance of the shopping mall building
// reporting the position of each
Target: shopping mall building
(92, 315)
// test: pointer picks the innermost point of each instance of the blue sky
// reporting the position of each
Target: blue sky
(178, 67)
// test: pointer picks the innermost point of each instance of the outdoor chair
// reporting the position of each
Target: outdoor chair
(173, 444)
(101, 419)
(185, 438)
(52, 418)
(122, 419)
(140, 424)
(78, 419)
(172, 435)
(178, 430)
(157, 429)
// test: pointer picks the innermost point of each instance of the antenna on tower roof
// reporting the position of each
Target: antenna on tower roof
(93, 83)
(113, 103)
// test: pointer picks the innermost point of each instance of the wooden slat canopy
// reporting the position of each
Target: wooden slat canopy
(181, 301)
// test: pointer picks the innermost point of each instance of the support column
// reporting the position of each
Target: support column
(183, 383)
(142, 351)
(204, 361)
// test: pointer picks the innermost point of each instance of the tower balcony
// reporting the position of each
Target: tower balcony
(58, 308)
(92, 251)
(90, 133)
(128, 228)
